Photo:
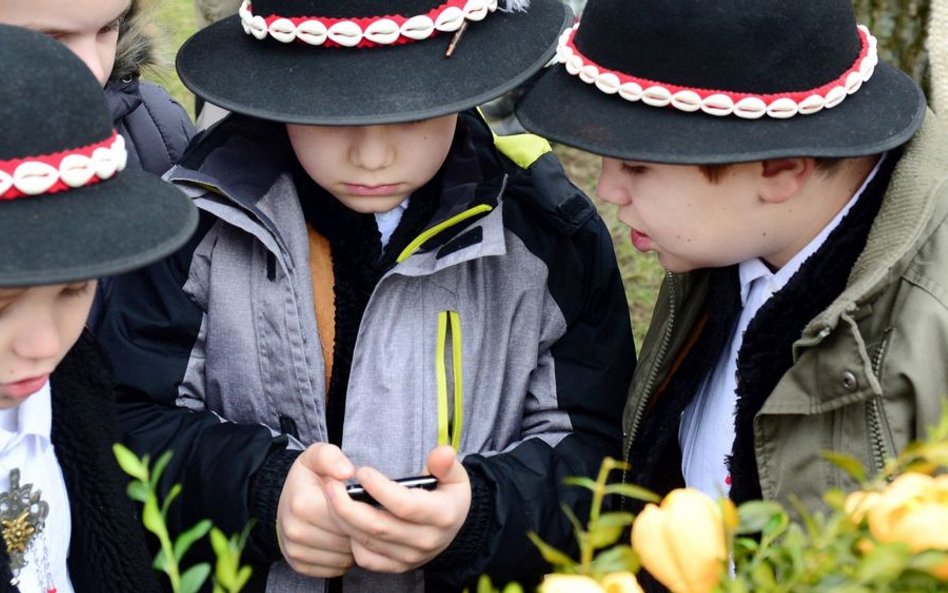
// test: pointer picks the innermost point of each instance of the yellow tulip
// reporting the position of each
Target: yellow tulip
(913, 510)
(620, 582)
(682, 542)
(569, 583)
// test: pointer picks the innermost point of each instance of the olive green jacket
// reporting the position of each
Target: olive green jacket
(870, 373)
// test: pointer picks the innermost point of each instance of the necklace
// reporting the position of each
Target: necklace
(22, 518)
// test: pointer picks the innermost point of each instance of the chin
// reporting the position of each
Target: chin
(372, 205)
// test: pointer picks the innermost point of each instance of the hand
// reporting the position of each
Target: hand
(414, 526)
(310, 540)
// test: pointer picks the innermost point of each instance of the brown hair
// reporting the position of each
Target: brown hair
(714, 173)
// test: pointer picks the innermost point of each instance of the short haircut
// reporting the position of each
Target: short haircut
(714, 173)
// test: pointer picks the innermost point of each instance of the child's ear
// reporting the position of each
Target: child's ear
(781, 179)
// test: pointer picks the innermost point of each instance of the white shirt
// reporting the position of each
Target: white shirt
(388, 221)
(706, 433)
(25, 444)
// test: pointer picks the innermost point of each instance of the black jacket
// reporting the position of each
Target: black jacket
(156, 128)
(107, 553)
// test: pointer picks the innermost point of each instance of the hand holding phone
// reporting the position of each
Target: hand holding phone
(357, 492)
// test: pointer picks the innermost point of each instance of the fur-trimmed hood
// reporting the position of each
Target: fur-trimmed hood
(135, 48)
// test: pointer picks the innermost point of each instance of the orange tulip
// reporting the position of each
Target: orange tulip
(913, 510)
(620, 582)
(569, 583)
(682, 542)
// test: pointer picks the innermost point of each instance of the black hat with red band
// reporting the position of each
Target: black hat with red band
(68, 208)
(726, 81)
(360, 62)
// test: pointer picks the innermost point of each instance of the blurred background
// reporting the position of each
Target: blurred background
(911, 33)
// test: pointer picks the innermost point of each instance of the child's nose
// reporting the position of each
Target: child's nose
(372, 149)
(610, 191)
(39, 339)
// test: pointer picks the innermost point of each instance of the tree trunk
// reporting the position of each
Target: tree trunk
(901, 28)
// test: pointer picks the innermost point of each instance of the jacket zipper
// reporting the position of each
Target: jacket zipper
(633, 428)
(449, 373)
(874, 417)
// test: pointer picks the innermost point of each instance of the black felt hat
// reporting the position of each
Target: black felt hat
(68, 209)
(681, 81)
(363, 62)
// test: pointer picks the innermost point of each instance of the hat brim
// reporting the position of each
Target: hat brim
(883, 114)
(100, 230)
(298, 83)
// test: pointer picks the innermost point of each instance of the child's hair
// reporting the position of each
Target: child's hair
(714, 173)
(135, 49)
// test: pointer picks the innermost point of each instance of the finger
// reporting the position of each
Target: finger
(409, 504)
(299, 556)
(320, 570)
(306, 536)
(444, 465)
(327, 460)
(376, 562)
(405, 544)
(362, 519)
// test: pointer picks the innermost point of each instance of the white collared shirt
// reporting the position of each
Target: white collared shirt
(388, 221)
(25, 444)
(706, 433)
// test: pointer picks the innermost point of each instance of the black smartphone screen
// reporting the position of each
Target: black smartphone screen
(357, 492)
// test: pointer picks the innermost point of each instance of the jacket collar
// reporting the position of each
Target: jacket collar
(911, 211)
(245, 162)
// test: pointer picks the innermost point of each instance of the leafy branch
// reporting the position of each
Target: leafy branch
(229, 576)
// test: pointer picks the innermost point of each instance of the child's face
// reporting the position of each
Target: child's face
(89, 28)
(373, 168)
(38, 326)
(690, 222)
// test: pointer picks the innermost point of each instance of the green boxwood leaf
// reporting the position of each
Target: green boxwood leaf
(184, 541)
(549, 553)
(194, 577)
(137, 491)
(151, 517)
(883, 563)
(172, 494)
(159, 468)
(615, 559)
(587, 483)
(755, 515)
(849, 464)
(129, 462)
(633, 491)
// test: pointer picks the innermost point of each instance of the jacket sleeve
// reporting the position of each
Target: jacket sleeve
(148, 332)
(521, 489)
(159, 129)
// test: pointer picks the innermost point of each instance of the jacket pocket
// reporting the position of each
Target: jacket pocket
(449, 376)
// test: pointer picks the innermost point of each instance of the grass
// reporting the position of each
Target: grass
(642, 274)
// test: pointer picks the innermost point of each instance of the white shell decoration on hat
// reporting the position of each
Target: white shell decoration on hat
(314, 30)
(717, 102)
(76, 168)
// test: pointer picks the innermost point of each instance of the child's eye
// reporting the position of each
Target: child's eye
(77, 289)
(633, 169)
(111, 27)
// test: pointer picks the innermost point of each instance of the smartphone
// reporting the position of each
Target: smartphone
(357, 492)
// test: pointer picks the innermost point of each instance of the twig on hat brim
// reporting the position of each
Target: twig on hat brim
(455, 39)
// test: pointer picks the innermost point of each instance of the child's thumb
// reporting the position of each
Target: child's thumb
(444, 465)
(327, 461)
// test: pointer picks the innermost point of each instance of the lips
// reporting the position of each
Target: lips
(357, 189)
(641, 241)
(24, 388)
